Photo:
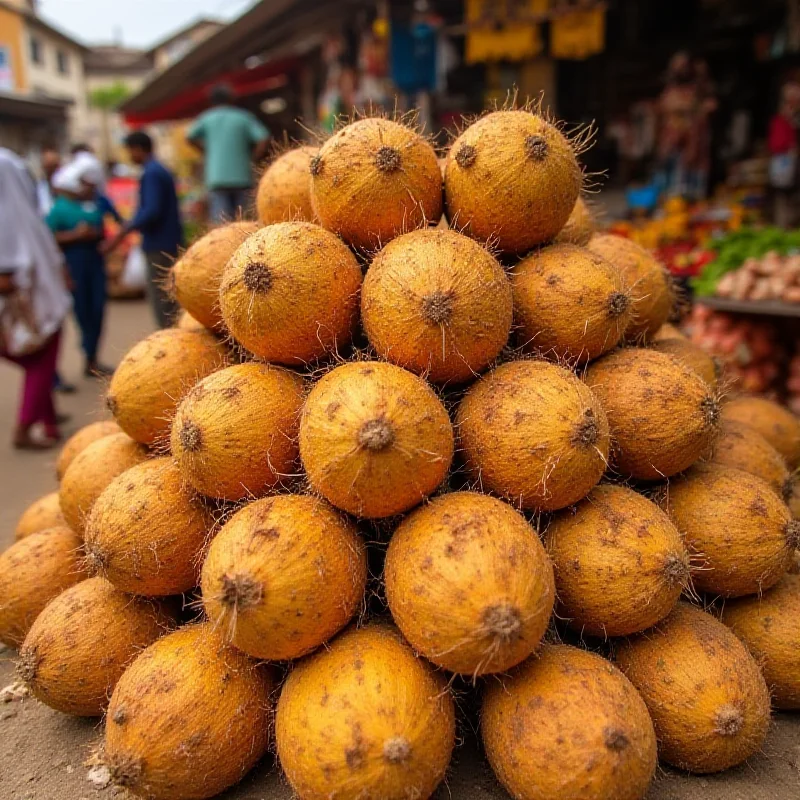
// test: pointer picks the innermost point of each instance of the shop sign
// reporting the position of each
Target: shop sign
(577, 35)
(504, 30)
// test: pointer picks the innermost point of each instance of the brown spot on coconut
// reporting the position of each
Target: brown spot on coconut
(365, 718)
(436, 302)
(80, 440)
(189, 718)
(646, 279)
(620, 564)
(663, 415)
(569, 303)
(284, 191)
(769, 626)
(512, 178)
(154, 376)
(82, 642)
(40, 515)
(290, 293)
(186, 322)
(375, 440)
(147, 531)
(567, 724)
(533, 433)
(742, 447)
(779, 426)
(580, 227)
(375, 179)
(33, 571)
(235, 434)
(483, 563)
(198, 272)
(284, 575)
(741, 532)
(667, 331)
(708, 701)
(92, 470)
(692, 356)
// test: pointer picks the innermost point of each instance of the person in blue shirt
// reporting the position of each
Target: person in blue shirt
(158, 220)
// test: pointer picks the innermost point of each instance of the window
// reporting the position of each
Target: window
(37, 51)
(62, 60)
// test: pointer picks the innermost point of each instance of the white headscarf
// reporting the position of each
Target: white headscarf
(27, 248)
(83, 167)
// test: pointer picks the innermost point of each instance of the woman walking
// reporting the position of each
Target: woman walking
(34, 302)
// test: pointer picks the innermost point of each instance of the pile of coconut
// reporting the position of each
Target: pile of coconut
(381, 456)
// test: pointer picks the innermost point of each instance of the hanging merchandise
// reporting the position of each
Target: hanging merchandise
(413, 56)
(504, 30)
(577, 35)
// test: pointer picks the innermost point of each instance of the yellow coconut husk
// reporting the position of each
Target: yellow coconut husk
(663, 415)
(569, 303)
(365, 718)
(154, 376)
(189, 718)
(668, 331)
(375, 440)
(375, 179)
(438, 304)
(779, 426)
(567, 724)
(82, 642)
(693, 356)
(187, 322)
(469, 583)
(580, 227)
(81, 440)
(705, 694)
(40, 515)
(147, 531)
(741, 532)
(284, 575)
(235, 434)
(284, 191)
(198, 272)
(647, 281)
(513, 178)
(290, 293)
(535, 434)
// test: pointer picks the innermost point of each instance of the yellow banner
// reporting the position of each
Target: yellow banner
(504, 30)
(578, 34)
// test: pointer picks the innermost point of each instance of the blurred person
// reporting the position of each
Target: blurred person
(34, 300)
(158, 220)
(49, 163)
(230, 139)
(783, 142)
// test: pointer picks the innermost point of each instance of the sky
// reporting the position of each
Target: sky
(140, 23)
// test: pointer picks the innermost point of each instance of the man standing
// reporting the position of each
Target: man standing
(231, 139)
(158, 220)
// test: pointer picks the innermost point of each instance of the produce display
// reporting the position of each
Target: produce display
(396, 458)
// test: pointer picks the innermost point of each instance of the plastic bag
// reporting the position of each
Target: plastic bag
(134, 273)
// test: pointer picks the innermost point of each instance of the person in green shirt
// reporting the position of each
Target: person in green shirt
(231, 139)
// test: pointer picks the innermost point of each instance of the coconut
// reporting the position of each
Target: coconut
(769, 626)
(692, 356)
(147, 532)
(775, 423)
(620, 564)
(533, 433)
(647, 281)
(154, 376)
(469, 584)
(374, 439)
(707, 699)
(198, 272)
(33, 571)
(742, 447)
(365, 719)
(284, 575)
(742, 533)
(290, 293)
(187, 322)
(436, 302)
(667, 331)
(512, 178)
(40, 515)
(81, 440)
(79, 646)
(235, 434)
(375, 179)
(663, 415)
(567, 724)
(580, 227)
(92, 470)
(570, 304)
(189, 718)
(284, 191)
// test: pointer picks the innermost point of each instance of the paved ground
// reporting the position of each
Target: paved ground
(42, 753)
